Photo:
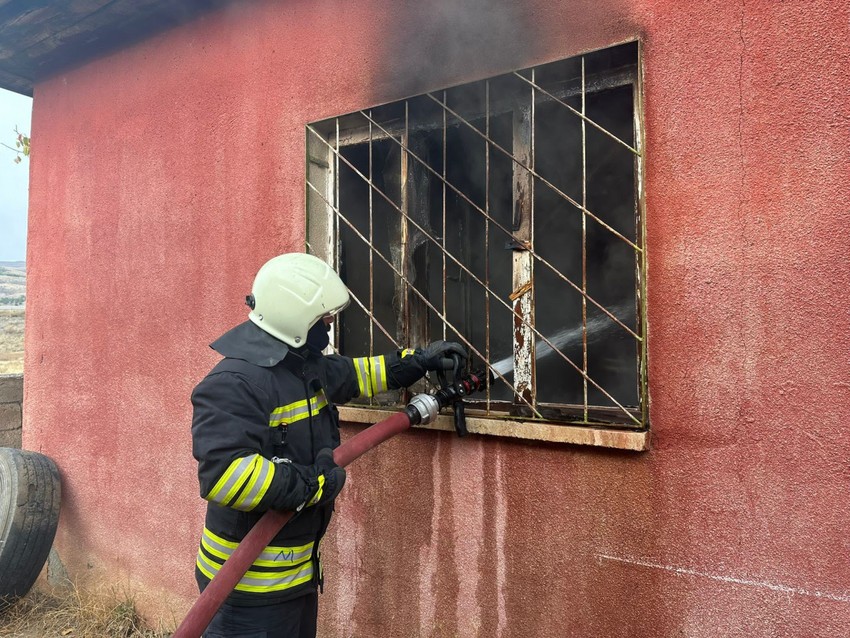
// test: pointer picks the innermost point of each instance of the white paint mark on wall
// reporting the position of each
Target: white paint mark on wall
(501, 527)
(683, 571)
(349, 545)
(428, 554)
(466, 465)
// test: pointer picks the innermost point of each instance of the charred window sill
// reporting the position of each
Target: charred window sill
(635, 440)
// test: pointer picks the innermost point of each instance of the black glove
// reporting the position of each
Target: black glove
(330, 478)
(406, 367)
(310, 485)
(438, 355)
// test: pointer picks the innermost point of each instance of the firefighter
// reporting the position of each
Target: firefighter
(263, 430)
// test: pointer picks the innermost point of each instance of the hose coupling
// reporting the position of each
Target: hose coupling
(426, 406)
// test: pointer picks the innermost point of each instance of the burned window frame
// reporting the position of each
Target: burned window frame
(326, 142)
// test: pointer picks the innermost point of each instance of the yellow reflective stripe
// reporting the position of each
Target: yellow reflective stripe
(212, 549)
(318, 494)
(231, 480)
(239, 483)
(361, 367)
(271, 556)
(260, 581)
(319, 401)
(201, 564)
(371, 375)
(267, 562)
(378, 369)
(262, 490)
(218, 539)
(290, 407)
(270, 549)
(292, 412)
(303, 574)
(256, 487)
(407, 352)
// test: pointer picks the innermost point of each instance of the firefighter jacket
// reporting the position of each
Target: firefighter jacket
(259, 419)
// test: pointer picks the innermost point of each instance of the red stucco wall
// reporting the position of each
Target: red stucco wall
(164, 175)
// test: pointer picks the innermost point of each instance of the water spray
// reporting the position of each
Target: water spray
(564, 339)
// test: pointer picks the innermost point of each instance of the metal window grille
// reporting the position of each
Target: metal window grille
(504, 214)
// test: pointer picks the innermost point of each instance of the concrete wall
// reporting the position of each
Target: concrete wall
(167, 173)
(11, 400)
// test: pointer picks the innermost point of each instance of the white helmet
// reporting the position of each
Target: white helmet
(292, 292)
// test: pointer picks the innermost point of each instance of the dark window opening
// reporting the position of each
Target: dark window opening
(504, 214)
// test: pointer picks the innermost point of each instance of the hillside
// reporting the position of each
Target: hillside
(13, 286)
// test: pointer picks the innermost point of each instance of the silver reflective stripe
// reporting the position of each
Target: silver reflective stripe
(363, 379)
(288, 415)
(284, 556)
(252, 498)
(219, 493)
(378, 375)
(216, 546)
(296, 411)
(281, 582)
(260, 581)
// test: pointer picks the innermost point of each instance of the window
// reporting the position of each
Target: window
(504, 214)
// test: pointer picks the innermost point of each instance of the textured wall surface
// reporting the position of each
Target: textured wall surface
(167, 173)
(11, 400)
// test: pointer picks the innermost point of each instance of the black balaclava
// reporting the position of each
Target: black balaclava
(318, 336)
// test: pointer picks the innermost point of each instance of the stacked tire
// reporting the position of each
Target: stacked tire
(30, 496)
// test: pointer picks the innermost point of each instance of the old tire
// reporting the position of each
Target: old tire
(30, 495)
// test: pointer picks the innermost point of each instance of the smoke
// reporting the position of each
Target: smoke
(443, 41)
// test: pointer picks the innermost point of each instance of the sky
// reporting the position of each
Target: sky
(14, 178)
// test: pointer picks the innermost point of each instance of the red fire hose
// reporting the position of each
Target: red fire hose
(269, 525)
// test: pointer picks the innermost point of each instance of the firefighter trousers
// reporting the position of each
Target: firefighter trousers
(292, 619)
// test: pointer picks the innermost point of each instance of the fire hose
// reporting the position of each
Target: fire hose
(422, 409)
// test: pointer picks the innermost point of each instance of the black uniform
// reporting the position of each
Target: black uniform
(260, 417)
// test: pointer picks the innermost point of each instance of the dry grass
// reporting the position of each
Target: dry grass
(11, 340)
(72, 613)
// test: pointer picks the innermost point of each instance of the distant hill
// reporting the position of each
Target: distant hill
(13, 294)
(13, 284)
